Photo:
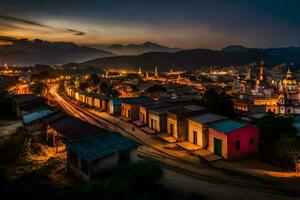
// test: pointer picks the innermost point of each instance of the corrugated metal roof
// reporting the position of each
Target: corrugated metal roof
(226, 126)
(102, 145)
(36, 115)
(207, 118)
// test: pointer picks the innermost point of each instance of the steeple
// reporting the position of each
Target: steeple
(289, 74)
(140, 70)
(262, 69)
(155, 71)
(248, 75)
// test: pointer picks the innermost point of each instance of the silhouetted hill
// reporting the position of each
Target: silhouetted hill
(187, 59)
(25, 52)
(279, 55)
(135, 49)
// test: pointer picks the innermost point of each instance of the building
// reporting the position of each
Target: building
(91, 157)
(144, 111)
(27, 103)
(131, 108)
(177, 125)
(231, 139)
(158, 118)
(198, 130)
(288, 84)
(33, 122)
(68, 129)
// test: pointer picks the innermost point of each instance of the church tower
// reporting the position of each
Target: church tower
(262, 72)
(140, 70)
(155, 71)
(248, 75)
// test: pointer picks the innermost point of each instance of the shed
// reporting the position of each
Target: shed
(93, 156)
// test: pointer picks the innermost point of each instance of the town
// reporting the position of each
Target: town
(97, 122)
(147, 100)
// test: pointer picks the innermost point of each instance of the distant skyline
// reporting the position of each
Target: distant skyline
(185, 24)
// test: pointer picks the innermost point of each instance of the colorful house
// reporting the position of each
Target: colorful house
(231, 139)
(93, 156)
(198, 130)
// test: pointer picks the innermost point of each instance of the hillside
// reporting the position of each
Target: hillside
(25, 52)
(187, 59)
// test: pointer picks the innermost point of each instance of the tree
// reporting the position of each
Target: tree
(219, 103)
(83, 85)
(272, 127)
(279, 142)
(93, 79)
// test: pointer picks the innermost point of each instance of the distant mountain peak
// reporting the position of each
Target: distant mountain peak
(234, 48)
(135, 49)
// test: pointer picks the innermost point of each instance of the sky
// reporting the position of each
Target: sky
(210, 24)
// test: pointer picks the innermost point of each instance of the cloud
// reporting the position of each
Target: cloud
(76, 32)
(8, 39)
(11, 21)
(22, 21)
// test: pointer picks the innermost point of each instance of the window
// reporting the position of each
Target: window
(237, 145)
(73, 159)
(251, 140)
(84, 166)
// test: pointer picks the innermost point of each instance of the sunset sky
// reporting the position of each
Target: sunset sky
(185, 24)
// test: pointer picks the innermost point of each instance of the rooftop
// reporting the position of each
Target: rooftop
(226, 126)
(101, 145)
(28, 118)
(72, 128)
(207, 118)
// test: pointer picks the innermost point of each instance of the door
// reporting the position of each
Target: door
(217, 146)
(195, 134)
(172, 129)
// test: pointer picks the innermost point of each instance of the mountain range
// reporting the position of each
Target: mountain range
(26, 52)
(135, 49)
(198, 58)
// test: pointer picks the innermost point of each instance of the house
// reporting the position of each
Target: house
(89, 99)
(115, 105)
(231, 139)
(67, 129)
(158, 118)
(23, 104)
(144, 110)
(33, 121)
(177, 125)
(198, 130)
(97, 102)
(90, 157)
(104, 103)
(130, 108)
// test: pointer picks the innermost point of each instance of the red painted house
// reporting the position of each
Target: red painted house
(232, 140)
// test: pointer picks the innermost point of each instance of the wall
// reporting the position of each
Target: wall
(243, 135)
(174, 122)
(216, 134)
(201, 137)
